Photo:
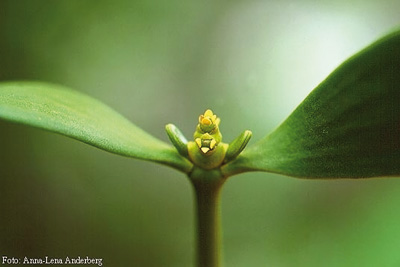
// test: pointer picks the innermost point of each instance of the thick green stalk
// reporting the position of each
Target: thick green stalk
(207, 187)
(208, 154)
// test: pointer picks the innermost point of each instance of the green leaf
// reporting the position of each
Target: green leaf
(64, 111)
(237, 145)
(348, 127)
(177, 139)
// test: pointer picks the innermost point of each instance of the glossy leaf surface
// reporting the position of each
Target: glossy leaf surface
(348, 127)
(64, 111)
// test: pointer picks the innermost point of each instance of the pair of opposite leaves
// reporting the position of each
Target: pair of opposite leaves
(348, 127)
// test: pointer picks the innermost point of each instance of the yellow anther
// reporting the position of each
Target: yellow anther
(207, 118)
(213, 143)
(198, 142)
(208, 113)
(206, 121)
(205, 149)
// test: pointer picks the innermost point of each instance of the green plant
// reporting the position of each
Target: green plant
(348, 127)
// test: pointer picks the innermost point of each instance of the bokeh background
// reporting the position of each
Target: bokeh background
(158, 62)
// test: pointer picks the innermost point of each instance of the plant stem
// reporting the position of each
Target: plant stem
(208, 221)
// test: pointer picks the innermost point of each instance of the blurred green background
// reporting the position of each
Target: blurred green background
(158, 62)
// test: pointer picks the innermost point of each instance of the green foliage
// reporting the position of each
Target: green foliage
(177, 139)
(237, 145)
(349, 126)
(64, 111)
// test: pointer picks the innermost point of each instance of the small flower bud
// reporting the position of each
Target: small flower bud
(207, 151)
